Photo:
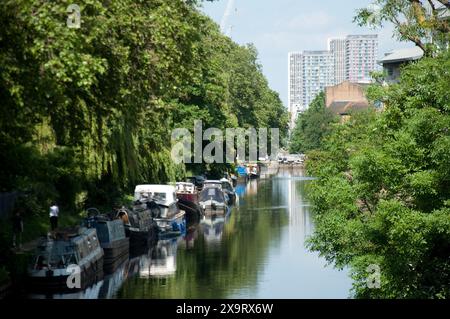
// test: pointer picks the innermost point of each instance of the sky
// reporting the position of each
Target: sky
(277, 27)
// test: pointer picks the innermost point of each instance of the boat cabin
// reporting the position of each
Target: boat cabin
(185, 188)
(213, 183)
(162, 194)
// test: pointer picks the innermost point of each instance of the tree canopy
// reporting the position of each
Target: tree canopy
(88, 112)
(312, 126)
(383, 188)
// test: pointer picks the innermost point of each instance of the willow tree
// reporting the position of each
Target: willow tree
(91, 109)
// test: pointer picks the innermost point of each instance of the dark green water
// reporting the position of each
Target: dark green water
(258, 251)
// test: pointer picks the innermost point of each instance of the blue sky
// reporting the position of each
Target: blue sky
(276, 27)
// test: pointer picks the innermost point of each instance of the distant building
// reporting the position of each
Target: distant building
(337, 47)
(352, 59)
(394, 60)
(309, 73)
(361, 52)
(345, 98)
(295, 85)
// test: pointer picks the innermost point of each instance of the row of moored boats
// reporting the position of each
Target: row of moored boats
(104, 241)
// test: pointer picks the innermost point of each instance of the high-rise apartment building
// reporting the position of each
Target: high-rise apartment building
(337, 47)
(361, 53)
(295, 84)
(351, 58)
(309, 73)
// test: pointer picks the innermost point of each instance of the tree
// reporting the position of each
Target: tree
(423, 22)
(87, 113)
(312, 126)
(381, 197)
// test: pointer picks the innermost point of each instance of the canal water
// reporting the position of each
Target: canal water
(257, 251)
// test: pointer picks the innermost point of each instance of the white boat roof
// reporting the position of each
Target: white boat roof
(212, 181)
(154, 188)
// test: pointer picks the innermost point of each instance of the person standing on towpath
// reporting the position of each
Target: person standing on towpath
(54, 213)
(17, 225)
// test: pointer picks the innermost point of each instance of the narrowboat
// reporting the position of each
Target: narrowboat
(140, 227)
(104, 289)
(219, 184)
(187, 195)
(112, 237)
(186, 191)
(74, 253)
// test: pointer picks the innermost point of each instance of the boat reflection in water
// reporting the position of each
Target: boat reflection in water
(103, 289)
(212, 229)
(161, 260)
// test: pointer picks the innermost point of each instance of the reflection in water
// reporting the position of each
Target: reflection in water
(104, 289)
(161, 260)
(257, 251)
(291, 271)
(212, 229)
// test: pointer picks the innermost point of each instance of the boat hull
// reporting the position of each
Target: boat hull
(214, 210)
(188, 197)
(115, 254)
(56, 280)
(143, 238)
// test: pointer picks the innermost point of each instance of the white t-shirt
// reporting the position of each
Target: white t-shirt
(54, 211)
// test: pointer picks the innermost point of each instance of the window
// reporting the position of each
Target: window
(390, 70)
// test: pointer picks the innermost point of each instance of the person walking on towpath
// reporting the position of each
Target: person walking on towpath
(54, 213)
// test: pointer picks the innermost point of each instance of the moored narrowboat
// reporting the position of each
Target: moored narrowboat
(187, 200)
(61, 254)
(112, 237)
(139, 225)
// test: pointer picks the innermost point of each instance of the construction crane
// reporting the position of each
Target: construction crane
(226, 15)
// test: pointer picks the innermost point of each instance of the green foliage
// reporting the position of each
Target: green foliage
(423, 22)
(383, 188)
(87, 113)
(312, 126)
